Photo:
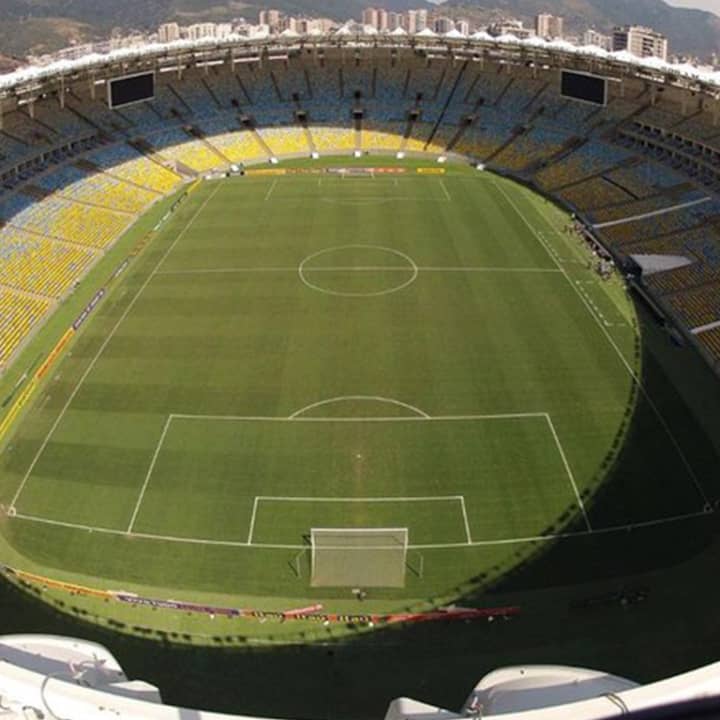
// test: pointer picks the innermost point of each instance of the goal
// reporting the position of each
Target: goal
(358, 557)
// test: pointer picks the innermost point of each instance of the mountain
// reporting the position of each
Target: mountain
(44, 25)
(689, 31)
(38, 26)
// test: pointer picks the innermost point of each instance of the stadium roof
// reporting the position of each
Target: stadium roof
(358, 36)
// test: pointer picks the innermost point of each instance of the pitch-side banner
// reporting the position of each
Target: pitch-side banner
(266, 171)
(315, 612)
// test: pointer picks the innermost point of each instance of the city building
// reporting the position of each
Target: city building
(416, 20)
(271, 18)
(593, 37)
(370, 17)
(395, 20)
(201, 30)
(549, 26)
(287, 22)
(382, 20)
(510, 27)
(444, 25)
(119, 42)
(169, 32)
(640, 41)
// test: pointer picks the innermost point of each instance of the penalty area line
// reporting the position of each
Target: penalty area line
(145, 484)
(295, 418)
(251, 530)
(465, 519)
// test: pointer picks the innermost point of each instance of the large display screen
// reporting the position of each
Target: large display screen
(585, 87)
(131, 89)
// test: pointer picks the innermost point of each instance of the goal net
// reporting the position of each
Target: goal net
(358, 557)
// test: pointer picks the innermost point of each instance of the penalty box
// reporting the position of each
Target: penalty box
(449, 480)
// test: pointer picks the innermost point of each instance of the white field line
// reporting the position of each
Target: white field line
(614, 345)
(465, 520)
(270, 190)
(445, 190)
(481, 269)
(251, 529)
(410, 418)
(107, 340)
(386, 180)
(368, 199)
(361, 268)
(429, 546)
(596, 309)
(355, 499)
(551, 250)
(569, 471)
(365, 398)
(159, 445)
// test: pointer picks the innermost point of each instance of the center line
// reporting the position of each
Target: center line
(360, 268)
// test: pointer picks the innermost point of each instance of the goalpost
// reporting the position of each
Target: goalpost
(358, 557)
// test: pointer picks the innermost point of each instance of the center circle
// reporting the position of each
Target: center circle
(317, 266)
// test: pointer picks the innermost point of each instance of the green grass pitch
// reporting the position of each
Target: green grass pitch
(296, 352)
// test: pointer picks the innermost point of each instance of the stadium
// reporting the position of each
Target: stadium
(311, 338)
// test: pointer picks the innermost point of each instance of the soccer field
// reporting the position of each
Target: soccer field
(309, 351)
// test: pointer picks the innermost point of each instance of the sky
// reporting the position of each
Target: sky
(711, 5)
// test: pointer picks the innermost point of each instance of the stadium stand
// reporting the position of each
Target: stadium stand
(177, 146)
(58, 218)
(382, 137)
(36, 264)
(225, 89)
(96, 188)
(697, 307)
(18, 316)
(596, 192)
(711, 342)
(592, 158)
(126, 163)
(239, 147)
(530, 147)
(285, 140)
(327, 139)
(196, 98)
